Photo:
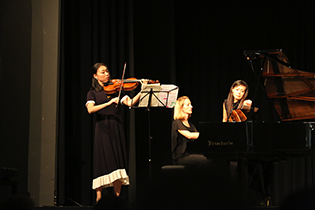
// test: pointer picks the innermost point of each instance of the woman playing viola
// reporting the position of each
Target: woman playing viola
(236, 100)
(109, 153)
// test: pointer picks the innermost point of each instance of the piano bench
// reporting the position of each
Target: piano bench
(173, 167)
(170, 173)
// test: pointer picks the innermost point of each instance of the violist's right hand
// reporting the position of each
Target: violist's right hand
(114, 100)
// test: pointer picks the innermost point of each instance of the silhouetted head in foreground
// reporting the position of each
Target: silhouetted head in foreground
(17, 203)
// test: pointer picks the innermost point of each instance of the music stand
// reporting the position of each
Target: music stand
(156, 95)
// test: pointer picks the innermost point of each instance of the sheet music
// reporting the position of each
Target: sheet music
(162, 95)
(145, 94)
(168, 95)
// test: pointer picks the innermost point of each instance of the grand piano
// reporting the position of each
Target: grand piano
(292, 94)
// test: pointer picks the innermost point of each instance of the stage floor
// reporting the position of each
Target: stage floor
(64, 208)
(91, 208)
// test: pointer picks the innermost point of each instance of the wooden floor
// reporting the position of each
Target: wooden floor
(91, 208)
(64, 208)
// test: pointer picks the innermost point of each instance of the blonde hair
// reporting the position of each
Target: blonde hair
(178, 114)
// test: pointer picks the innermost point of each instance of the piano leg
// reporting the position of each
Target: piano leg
(250, 173)
(243, 176)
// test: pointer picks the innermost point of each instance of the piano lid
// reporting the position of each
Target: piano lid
(291, 90)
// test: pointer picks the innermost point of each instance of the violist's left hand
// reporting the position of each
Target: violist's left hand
(248, 103)
(144, 83)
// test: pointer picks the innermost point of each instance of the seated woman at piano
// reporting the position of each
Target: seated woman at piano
(236, 104)
(184, 131)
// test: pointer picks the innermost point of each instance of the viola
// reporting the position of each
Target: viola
(128, 84)
(237, 115)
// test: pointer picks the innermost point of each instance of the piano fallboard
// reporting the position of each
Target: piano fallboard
(254, 137)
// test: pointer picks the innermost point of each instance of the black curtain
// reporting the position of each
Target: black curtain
(212, 35)
(197, 45)
(91, 31)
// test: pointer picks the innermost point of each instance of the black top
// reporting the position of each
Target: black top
(179, 142)
(100, 98)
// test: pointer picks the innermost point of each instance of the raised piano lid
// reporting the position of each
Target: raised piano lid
(292, 91)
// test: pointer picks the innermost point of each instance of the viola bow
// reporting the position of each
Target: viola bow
(122, 81)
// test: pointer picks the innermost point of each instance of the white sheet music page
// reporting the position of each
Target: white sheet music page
(168, 95)
(145, 95)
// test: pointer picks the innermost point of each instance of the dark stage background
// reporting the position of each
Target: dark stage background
(195, 44)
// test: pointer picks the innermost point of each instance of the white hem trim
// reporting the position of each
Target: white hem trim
(108, 179)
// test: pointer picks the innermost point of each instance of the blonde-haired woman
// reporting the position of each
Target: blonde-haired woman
(184, 131)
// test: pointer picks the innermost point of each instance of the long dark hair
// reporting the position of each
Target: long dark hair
(95, 85)
(230, 99)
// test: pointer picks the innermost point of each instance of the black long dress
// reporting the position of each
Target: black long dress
(109, 153)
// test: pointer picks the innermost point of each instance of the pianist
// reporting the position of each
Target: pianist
(236, 101)
(184, 131)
